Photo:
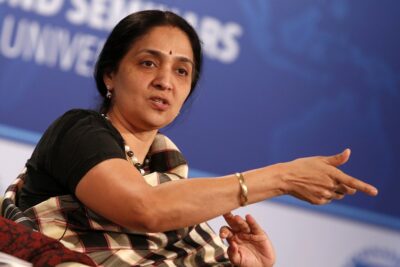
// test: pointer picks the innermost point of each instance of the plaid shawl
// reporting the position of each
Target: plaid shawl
(80, 229)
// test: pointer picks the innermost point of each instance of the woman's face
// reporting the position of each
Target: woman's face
(153, 78)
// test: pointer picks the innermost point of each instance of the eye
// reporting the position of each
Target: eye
(182, 72)
(148, 64)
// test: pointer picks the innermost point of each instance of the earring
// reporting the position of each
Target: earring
(109, 94)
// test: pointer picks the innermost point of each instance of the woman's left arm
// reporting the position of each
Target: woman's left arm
(249, 245)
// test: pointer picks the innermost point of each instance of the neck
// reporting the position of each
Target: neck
(138, 140)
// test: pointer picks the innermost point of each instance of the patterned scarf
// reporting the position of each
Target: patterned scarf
(66, 219)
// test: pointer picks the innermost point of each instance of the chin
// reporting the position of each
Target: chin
(158, 124)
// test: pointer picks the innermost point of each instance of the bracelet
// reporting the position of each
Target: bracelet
(243, 189)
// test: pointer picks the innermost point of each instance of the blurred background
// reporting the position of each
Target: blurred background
(281, 80)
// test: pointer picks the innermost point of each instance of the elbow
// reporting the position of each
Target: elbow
(152, 225)
(144, 218)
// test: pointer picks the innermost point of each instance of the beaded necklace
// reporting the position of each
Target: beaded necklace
(129, 153)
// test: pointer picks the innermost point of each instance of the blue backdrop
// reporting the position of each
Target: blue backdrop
(282, 79)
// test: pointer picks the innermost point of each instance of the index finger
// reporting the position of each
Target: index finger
(237, 223)
(356, 183)
(230, 219)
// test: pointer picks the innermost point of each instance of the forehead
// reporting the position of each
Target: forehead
(166, 39)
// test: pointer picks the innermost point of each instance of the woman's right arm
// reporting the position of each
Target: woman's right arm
(117, 191)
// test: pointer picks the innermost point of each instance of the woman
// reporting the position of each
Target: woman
(108, 184)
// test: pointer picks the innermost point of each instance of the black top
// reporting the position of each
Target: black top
(70, 147)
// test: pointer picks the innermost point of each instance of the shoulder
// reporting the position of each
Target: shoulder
(83, 121)
(79, 126)
(79, 115)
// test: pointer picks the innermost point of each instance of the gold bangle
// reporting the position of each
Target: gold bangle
(243, 189)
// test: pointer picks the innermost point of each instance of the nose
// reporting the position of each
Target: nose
(163, 80)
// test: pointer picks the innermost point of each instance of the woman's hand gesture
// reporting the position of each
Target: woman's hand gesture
(318, 180)
(248, 243)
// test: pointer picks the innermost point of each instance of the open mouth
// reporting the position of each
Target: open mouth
(159, 103)
(160, 100)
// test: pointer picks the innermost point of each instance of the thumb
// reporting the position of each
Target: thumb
(339, 159)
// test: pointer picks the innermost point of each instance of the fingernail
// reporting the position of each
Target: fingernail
(374, 191)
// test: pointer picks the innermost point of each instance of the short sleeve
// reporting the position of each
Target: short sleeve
(82, 142)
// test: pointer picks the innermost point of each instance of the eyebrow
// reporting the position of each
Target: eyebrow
(161, 54)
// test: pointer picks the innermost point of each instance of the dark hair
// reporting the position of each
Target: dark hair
(127, 31)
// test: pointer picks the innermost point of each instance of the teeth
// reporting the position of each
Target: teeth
(158, 100)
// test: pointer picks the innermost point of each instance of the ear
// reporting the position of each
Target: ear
(108, 79)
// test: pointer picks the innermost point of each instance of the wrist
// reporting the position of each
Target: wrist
(266, 182)
(278, 176)
(243, 189)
